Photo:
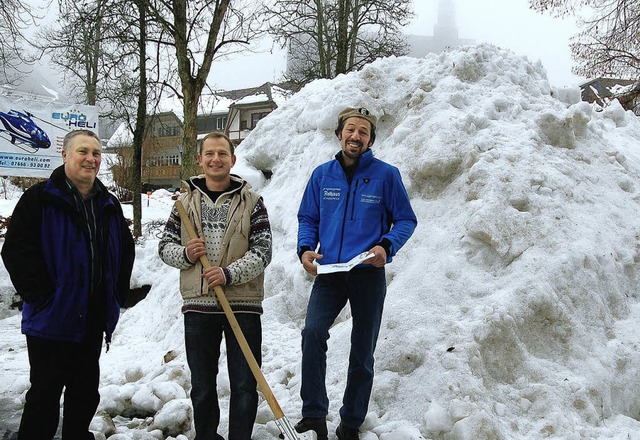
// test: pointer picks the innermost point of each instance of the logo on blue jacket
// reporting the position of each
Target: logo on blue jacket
(331, 193)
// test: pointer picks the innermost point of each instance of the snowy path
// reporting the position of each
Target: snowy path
(14, 372)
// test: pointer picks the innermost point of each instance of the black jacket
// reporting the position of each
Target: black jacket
(69, 274)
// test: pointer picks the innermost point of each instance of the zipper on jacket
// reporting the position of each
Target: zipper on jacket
(353, 204)
(344, 219)
(89, 217)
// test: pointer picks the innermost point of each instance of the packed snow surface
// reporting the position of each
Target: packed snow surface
(512, 311)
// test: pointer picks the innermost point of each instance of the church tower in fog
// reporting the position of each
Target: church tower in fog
(445, 33)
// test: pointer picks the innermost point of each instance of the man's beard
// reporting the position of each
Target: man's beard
(354, 156)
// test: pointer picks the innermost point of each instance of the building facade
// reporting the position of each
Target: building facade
(234, 112)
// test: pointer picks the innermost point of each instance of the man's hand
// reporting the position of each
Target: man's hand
(379, 257)
(307, 262)
(195, 248)
(214, 276)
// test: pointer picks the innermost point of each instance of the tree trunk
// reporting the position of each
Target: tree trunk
(353, 40)
(189, 139)
(342, 39)
(192, 85)
(325, 69)
(190, 101)
(94, 55)
(141, 118)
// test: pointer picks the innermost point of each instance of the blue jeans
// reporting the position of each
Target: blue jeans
(365, 290)
(203, 336)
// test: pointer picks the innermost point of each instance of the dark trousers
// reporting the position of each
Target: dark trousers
(203, 336)
(365, 290)
(57, 365)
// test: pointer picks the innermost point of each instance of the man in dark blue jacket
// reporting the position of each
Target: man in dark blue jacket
(69, 253)
(353, 204)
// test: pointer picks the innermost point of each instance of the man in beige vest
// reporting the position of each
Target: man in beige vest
(235, 235)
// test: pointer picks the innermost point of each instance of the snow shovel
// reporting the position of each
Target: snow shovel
(281, 421)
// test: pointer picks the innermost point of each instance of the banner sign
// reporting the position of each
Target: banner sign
(31, 133)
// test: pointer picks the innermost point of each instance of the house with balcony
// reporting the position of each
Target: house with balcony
(233, 112)
(248, 107)
(160, 153)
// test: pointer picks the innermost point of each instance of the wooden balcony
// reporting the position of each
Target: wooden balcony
(161, 175)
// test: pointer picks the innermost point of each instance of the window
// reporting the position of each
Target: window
(166, 131)
(255, 117)
(221, 123)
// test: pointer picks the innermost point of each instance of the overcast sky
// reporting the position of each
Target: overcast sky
(509, 24)
(505, 23)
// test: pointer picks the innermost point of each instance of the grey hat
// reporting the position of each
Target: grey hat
(361, 112)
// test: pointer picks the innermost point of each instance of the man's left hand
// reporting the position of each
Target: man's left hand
(379, 257)
(214, 276)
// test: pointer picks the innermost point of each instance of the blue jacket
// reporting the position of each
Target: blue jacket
(348, 218)
(55, 266)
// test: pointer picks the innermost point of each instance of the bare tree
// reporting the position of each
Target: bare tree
(89, 44)
(73, 43)
(608, 43)
(15, 17)
(141, 116)
(106, 51)
(198, 32)
(101, 48)
(329, 37)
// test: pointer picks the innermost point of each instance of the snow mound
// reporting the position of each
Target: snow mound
(503, 306)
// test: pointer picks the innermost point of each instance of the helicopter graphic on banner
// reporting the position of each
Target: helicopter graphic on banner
(31, 133)
(21, 130)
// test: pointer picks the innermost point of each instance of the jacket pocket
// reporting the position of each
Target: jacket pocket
(191, 284)
(189, 294)
(39, 306)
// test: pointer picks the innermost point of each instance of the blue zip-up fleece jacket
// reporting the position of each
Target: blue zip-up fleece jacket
(350, 217)
(63, 268)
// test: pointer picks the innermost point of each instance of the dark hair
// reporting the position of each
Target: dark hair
(218, 135)
(372, 135)
(66, 142)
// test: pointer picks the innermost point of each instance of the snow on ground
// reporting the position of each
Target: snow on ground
(512, 311)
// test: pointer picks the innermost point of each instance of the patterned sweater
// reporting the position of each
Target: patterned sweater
(244, 275)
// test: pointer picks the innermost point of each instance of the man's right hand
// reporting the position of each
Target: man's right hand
(194, 249)
(307, 262)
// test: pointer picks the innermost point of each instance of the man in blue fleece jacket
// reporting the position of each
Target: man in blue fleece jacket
(352, 204)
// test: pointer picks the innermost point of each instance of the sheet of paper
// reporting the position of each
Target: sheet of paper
(343, 267)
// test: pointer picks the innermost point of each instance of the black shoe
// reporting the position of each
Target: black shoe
(345, 433)
(317, 424)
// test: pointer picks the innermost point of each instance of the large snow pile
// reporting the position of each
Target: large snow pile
(510, 313)
(502, 311)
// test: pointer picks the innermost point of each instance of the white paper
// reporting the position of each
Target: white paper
(343, 267)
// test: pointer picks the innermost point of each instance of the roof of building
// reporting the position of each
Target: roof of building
(216, 103)
(599, 89)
